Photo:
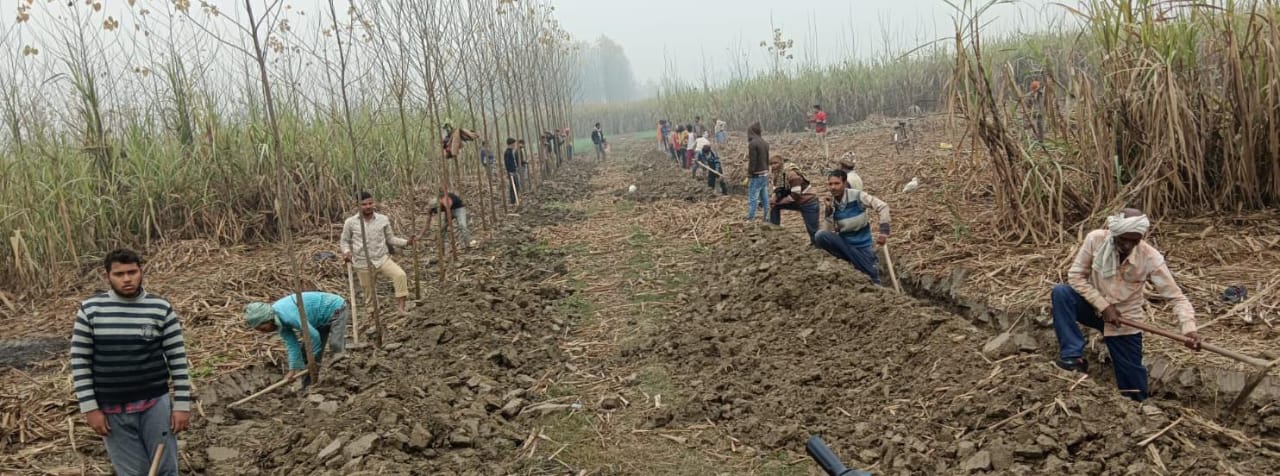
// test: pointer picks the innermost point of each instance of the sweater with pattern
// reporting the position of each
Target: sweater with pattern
(127, 349)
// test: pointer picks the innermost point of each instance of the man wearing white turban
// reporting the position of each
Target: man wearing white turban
(1105, 283)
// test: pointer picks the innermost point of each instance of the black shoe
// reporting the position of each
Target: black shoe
(1074, 364)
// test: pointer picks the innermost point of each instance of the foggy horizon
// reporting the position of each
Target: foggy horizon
(659, 32)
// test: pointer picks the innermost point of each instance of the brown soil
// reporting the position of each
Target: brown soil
(443, 396)
(784, 342)
(654, 182)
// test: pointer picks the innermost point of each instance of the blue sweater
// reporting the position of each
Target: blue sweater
(320, 307)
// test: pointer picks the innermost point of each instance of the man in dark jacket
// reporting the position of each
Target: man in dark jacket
(597, 138)
(513, 171)
(758, 170)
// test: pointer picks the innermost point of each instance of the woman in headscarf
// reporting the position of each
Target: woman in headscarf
(327, 316)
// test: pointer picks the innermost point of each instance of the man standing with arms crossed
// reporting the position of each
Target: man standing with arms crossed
(376, 233)
(125, 348)
(597, 138)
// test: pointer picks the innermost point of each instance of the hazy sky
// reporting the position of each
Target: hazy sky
(656, 34)
(719, 27)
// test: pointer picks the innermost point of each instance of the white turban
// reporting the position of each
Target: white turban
(1105, 259)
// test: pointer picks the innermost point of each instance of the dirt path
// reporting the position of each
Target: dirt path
(631, 258)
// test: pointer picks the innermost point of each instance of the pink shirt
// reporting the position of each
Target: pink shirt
(1125, 288)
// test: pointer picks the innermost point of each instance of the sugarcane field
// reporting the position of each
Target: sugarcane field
(585, 237)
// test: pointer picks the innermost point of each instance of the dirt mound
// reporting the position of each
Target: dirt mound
(659, 178)
(783, 342)
(447, 394)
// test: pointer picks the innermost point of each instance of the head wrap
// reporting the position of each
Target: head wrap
(1105, 259)
(849, 161)
(258, 313)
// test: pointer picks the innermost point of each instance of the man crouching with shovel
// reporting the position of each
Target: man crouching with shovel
(1104, 285)
(327, 316)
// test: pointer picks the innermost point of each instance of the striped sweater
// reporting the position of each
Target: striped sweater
(124, 350)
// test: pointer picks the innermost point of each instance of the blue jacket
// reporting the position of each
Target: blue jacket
(320, 308)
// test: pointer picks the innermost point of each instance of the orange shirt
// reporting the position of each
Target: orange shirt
(1125, 288)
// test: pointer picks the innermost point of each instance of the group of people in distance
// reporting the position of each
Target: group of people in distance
(690, 147)
(848, 233)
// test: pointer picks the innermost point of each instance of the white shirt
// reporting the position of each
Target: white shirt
(379, 235)
(855, 182)
(692, 139)
(701, 141)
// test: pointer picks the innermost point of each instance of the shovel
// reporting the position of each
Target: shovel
(262, 392)
(355, 320)
(1263, 366)
(889, 261)
(155, 461)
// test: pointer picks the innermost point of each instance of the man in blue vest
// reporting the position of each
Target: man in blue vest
(850, 235)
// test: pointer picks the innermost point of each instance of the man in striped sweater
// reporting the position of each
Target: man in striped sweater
(125, 347)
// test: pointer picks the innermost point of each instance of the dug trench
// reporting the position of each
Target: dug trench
(714, 347)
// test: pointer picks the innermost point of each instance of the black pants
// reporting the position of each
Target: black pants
(712, 178)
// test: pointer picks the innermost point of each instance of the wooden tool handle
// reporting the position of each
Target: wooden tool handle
(261, 392)
(155, 461)
(1203, 345)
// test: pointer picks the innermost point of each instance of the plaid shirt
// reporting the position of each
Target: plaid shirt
(131, 407)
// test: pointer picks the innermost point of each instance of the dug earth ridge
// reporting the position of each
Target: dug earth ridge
(451, 391)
